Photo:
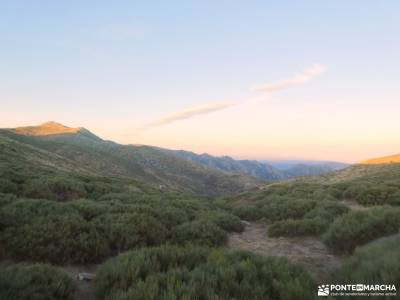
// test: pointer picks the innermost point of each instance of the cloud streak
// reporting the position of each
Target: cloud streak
(301, 78)
(189, 113)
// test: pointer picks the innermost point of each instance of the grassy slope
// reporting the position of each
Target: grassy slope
(383, 160)
(142, 163)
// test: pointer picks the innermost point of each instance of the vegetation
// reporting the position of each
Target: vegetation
(84, 151)
(297, 227)
(56, 239)
(359, 227)
(57, 207)
(129, 230)
(199, 273)
(35, 282)
(89, 230)
(375, 263)
(199, 232)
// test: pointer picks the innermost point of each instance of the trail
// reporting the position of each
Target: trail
(308, 252)
(84, 289)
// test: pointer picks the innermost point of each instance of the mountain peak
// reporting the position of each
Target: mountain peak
(382, 160)
(48, 128)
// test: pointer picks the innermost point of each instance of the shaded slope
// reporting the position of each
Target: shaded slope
(146, 164)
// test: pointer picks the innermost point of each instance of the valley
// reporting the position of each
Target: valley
(150, 224)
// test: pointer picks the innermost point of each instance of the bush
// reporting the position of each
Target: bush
(170, 216)
(315, 222)
(35, 282)
(6, 199)
(88, 209)
(8, 186)
(359, 227)
(281, 209)
(171, 272)
(55, 188)
(327, 210)
(24, 211)
(130, 230)
(224, 220)
(56, 239)
(199, 232)
(373, 194)
(248, 212)
(375, 263)
(302, 227)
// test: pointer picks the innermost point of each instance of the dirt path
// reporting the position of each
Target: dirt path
(354, 205)
(309, 252)
(84, 289)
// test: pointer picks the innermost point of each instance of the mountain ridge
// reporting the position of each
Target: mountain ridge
(260, 170)
(382, 160)
(141, 163)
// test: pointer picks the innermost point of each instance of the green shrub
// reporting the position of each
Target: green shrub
(130, 230)
(88, 209)
(35, 282)
(359, 227)
(327, 210)
(56, 239)
(8, 186)
(191, 207)
(6, 199)
(199, 232)
(24, 211)
(224, 220)
(373, 194)
(374, 263)
(170, 272)
(55, 188)
(281, 209)
(302, 227)
(170, 216)
(249, 212)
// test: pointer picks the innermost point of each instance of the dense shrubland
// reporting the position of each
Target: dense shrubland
(170, 272)
(359, 227)
(375, 263)
(35, 282)
(292, 216)
(57, 215)
(87, 230)
(301, 208)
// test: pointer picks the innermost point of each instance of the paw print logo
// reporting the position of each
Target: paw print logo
(323, 290)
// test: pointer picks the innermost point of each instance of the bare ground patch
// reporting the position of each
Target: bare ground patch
(308, 252)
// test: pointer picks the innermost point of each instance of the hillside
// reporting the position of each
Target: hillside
(142, 163)
(383, 160)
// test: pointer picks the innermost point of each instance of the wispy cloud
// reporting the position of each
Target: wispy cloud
(301, 78)
(189, 113)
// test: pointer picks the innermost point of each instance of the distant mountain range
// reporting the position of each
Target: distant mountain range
(267, 170)
(173, 169)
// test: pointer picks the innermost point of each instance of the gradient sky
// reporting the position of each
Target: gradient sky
(141, 72)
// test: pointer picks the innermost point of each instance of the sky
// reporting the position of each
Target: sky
(249, 79)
